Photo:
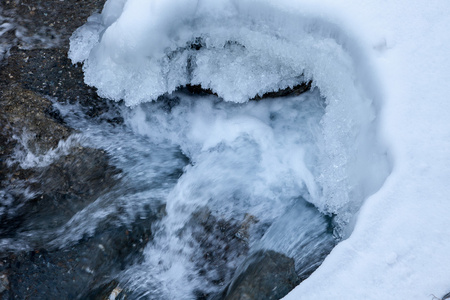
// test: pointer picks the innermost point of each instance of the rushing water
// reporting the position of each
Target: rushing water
(225, 176)
(246, 167)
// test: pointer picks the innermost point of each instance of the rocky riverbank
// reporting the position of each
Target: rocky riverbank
(37, 200)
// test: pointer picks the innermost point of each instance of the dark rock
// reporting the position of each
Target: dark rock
(58, 192)
(287, 92)
(196, 89)
(265, 275)
(49, 72)
(37, 201)
(42, 64)
(4, 283)
(82, 271)
(44, 23)
(103, 291)
(25, 112)
(222, 244)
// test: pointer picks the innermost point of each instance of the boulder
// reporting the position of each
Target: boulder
(265, 275)
(25, 113)
(85, 270)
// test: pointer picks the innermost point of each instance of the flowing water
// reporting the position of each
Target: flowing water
(247, 168)
(226, 176)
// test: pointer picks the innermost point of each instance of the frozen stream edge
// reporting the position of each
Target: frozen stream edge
(352, 164)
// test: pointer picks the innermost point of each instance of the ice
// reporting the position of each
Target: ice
(141, 50)
(382, 68)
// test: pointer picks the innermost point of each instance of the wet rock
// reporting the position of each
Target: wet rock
(287, 92)
(223, 245)
(42, 65)
(57, 191)
(196, 89)
(85, 270)
(4, 283)
(105, 291)
(26, 113)
(35, 202)
(265, 275)
(49, 72)
(45, 23)
(28, 116)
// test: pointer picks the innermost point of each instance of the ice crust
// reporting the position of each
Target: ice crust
(139, 50)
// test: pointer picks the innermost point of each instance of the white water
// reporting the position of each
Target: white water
(246, 158)
(252, 159)
(251, 163)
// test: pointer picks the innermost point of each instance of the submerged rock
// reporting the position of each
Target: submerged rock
(222, 245)
(45, 198)
(85, 270)
(265, 275)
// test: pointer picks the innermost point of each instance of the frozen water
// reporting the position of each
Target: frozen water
(139, 50)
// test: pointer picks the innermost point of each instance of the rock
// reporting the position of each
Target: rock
(45, 23)
(265, 275)
(287, 92)
(85, 270)
(221, 242)
(4, 283)
(57, 191)
(25, 112)
(35, 202)
(49, 72)
(38, 59)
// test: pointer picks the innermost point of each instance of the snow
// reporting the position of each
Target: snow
(383, 67)
(399, 248)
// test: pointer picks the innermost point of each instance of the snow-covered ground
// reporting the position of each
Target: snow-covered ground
(399, 248)
(383, 67)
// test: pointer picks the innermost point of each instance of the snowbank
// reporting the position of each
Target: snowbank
(400, 247)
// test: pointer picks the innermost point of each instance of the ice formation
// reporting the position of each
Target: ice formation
(139, 50)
